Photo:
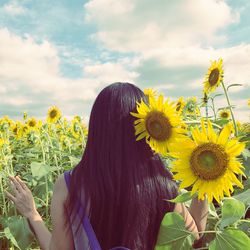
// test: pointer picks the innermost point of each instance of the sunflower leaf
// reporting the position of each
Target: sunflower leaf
(230, 239)
(232, 210)
(10, 236)
(212, 97)
(233, 85)
(173, 234)
(244, 197)
(39, 169)
(183, 197)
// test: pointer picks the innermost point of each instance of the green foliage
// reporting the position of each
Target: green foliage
(244, 197)
(173, 234)
(38, 157)
(232, 210)
(183, 197)
(230, 239)
(39, 169)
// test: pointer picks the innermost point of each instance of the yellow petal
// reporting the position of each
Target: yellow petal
(224, 135)
(211, 134)
(235, 149)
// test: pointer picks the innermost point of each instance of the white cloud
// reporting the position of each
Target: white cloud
(109, 72)
(174, 35)
(13, 8)
(32, 69)
(144, 25)
(16, 101)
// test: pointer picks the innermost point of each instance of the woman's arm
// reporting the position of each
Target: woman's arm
(40, 230)
(199, 211)
(196, 217)
(188, 219)
(25, 204)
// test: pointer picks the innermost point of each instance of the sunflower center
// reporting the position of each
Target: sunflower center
(209, 161)
(53, 113)
(178, 106)
(213, 77)
(32, 123)
(224, 115)
(158, 126)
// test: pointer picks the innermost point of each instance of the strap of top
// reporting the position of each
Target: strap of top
(94, 244)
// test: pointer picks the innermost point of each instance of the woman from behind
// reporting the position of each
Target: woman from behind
(124, 183)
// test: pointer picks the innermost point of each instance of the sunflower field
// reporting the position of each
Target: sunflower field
(208, 155)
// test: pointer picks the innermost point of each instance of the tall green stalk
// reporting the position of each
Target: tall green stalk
(46, 179)
(230, 108)
(232, 115)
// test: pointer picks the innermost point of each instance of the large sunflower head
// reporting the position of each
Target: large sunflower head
(53, 114)
(159, 123)
(248, 102)
(214, 76)
(208, 162)
(224, 114)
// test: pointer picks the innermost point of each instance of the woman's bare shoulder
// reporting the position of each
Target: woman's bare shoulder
(60, 188)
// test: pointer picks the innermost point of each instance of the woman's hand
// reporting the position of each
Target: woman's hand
(22, 197)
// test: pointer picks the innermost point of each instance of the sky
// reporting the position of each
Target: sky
(64, 53)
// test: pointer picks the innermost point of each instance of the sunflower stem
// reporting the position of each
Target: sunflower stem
(230, 108)
(232, 115)
(212, 99)
(3, 196)
(206, 118)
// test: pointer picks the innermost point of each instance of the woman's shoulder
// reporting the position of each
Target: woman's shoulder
(60, 187)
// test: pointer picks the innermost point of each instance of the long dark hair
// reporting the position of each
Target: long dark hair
(123, 181)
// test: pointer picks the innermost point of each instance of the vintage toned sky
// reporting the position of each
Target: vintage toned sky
(64, 52)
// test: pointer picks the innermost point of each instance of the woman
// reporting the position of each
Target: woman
(120, 186)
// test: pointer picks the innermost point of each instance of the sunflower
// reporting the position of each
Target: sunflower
(248, 102)
(159, 123)
(208, 162)
(191, 107)
(76, 128)
(18, 129)
(2, 142)
(180, 104)
(25, 116)
(32, 123)
(214, 76)
(53, 114)
(224, 114)
(150, 93)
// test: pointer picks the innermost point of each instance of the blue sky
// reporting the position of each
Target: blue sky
(64, 52)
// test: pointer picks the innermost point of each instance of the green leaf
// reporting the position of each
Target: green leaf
(245, 153)
(39, 169)
(173, 234)
(182, 197)
(232, 210)
(233, 85)
(10, 236)
(20, 230)
(230, 239)
(212, 210)
(212, 97)
(244, 197)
